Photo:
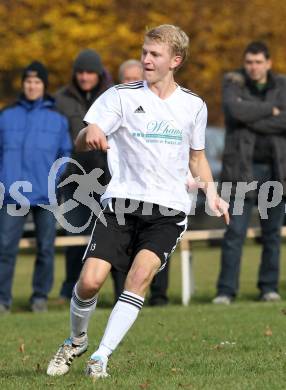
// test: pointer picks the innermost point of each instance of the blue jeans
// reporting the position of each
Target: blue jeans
(11, 230)
(268, 277)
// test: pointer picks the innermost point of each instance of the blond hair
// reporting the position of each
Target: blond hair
(176, 38)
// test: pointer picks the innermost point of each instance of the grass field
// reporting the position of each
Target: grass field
(202, 346)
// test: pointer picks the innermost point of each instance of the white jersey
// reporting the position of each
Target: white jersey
(150, 140)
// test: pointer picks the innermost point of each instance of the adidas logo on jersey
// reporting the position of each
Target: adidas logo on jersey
(139, 110)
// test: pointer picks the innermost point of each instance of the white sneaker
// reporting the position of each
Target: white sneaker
(271, 296)
(222, 300)
(4, 309)
(96, 367)
(60, 364)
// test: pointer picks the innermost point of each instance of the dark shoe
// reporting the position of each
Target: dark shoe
(160, 301)
(39, 306)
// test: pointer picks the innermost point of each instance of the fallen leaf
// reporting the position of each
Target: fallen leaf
(144, 385)
(22, 348)
(176, 369)
(283, 311)
(268, 331)
(26, 357)
(218, 347)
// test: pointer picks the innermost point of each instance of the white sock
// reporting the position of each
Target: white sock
(80, 313)
(120, 321)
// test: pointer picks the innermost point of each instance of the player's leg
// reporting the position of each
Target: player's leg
(107, 246)
(156, 238)
(84, 299)
(83, 304)
(126, 310)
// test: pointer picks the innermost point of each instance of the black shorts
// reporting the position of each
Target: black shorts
(118, 236)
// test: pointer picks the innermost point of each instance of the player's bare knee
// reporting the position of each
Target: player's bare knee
(87, 287)
(139, 277)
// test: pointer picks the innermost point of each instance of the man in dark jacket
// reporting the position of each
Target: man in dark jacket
(32, 137)
(254, 102)
(89, 81)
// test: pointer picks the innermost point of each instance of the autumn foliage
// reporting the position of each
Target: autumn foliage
(55, 31)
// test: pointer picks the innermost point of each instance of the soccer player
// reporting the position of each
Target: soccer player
(154, 131)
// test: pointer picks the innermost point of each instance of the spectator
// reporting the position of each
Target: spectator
(89, 81)
(254, 102)
(33, 135)
(129, 71)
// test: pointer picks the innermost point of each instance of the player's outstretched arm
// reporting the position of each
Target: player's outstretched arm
(91, 138)
(200, 168)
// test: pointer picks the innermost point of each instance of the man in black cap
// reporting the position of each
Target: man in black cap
(89, 81)
(37, 70)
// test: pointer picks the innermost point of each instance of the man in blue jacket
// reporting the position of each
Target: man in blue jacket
(32, 136)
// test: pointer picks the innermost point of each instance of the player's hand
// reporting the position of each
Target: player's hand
(219, 207)
(95, 138)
